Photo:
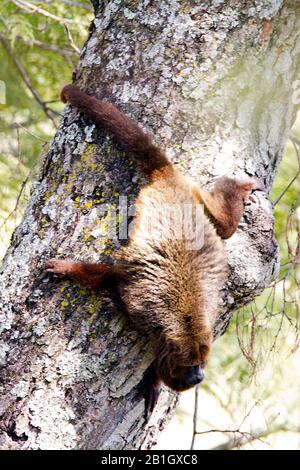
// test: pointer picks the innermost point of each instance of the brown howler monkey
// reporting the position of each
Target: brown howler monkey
(169, 289)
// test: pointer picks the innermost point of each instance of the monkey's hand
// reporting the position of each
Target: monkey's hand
(59, 266)
(247, 190)
(252, 184)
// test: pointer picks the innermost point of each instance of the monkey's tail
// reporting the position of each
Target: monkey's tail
(145, 154)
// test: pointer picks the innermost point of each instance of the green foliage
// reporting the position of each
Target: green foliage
(37, 55)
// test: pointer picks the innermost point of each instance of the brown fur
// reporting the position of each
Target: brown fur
(126, 131)
(172, 292)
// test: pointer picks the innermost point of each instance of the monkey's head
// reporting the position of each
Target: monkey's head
(181, 365)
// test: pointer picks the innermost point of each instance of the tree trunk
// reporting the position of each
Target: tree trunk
(213, 82)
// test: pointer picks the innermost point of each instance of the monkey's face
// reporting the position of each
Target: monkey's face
(184, 377)
(181, 370)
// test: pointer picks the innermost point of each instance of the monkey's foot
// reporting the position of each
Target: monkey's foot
(59, 266)
(253, 184)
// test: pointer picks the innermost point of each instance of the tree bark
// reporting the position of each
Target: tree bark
(213, 82)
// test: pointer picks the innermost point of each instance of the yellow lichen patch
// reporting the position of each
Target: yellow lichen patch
(87, 235)
(64, 304)
(83, 291)
(184, 8)
(181, 164)
(90, 320)
(88, 157)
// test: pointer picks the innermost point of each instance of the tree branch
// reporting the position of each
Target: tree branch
(50, 113)
(29, 8)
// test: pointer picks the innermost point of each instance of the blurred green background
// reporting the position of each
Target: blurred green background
(250, 396)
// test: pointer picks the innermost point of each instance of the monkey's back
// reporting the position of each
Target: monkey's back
(176, 273)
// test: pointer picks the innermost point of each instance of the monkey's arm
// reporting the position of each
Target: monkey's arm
(224, 205)
(93, 275)
(97, 275)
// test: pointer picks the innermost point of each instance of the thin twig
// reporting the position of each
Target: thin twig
(46, 47)
(29, 8)
(248, 414)
(18, 125)
(70, 39)
(62, 21)
(78, 4)
(195, 417)
(24, 182)
(258, 435)
(296, 143)
(50, 113)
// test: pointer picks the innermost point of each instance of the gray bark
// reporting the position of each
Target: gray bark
(213, 82)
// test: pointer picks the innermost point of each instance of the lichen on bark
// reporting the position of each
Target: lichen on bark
(212, 81)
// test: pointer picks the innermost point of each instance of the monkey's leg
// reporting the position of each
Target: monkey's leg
(96, 275)
(224, 205)
(91, 274)
(146, 155)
